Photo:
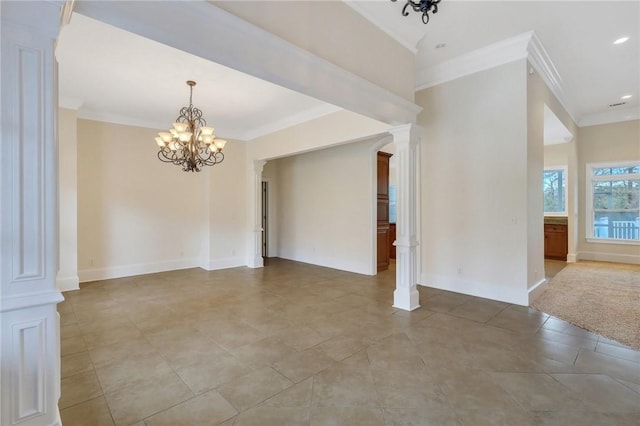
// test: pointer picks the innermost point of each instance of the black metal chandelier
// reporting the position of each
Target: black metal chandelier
(190, 144)
(424, 6)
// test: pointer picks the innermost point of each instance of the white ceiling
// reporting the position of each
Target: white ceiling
(116, 76)
(577, 35)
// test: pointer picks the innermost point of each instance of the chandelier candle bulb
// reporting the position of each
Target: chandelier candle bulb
(180, 127)
(206, 131)
(184, 136)
(190, 144)
(165, 136)
(219, 143)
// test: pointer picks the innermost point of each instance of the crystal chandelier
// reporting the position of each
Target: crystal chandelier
(424, 6)
(190, 144)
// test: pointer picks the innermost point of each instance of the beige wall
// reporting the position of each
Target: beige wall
(139, 215)
(325, 201)
(557, 155)
(67, 278)
(329, 130)
(321, 27)
(601, 144)
(227, 200)
(474, 184)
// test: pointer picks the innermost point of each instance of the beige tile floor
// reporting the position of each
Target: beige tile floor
(295, 344)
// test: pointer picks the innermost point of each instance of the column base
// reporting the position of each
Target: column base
(256, 262)
(407, 300)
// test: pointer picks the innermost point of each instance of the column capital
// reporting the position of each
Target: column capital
(258, 165)
(405, 134)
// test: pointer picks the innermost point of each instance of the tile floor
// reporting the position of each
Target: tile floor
(296, 344)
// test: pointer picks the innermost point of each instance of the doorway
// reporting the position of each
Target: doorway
(265, 219)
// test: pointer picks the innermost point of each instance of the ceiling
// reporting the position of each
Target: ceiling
(577, 35)
(112, 75)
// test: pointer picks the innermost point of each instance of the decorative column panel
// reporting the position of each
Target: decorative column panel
(30, 331)
(406, 294)
(255, 239)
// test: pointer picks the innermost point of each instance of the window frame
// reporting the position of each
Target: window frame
(589, 181)
(563, 213)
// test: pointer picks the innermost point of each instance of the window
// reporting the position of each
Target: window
(392, 204)
(554, 185)
(613, 202)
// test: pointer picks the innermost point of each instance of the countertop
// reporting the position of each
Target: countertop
(555, 220)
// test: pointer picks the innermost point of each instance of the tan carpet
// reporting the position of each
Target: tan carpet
(600, 297)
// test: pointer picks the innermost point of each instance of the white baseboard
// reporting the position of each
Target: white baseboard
(608, 257)
(224, 263)
(516, 296)
(537, 289)
(68, 283)
(340, 266)
(572, 257)
(138, 269)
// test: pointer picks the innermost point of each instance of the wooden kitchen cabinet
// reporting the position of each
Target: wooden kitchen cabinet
(383, 212)
(555, 242)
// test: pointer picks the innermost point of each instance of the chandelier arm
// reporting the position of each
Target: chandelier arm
(162, 156)
(423, 6)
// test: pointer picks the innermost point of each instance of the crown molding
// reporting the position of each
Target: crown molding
(89, 114)
(541, 62)
(70, 103)
(485, 58)
(526, 45)
(236, 134)
(107, 117)
(385, 28)
(613, 116)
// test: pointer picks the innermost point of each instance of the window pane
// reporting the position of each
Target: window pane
(605, 171)
(553, 184)
(617, 225)
(616, 194)
(392, 204)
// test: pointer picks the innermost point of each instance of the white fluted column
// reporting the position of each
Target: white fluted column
(406, 294)
(255, 239)
(30, 330)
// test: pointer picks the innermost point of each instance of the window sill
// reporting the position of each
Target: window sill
(612, 241)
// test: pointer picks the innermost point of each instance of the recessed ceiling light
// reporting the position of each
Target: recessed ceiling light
(625, 97)
(621, 40)
(440, 45)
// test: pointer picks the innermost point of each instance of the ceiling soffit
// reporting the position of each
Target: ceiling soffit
(254, 51)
